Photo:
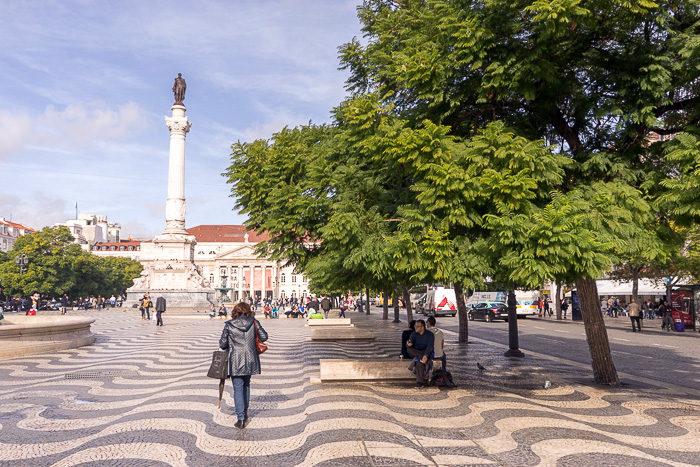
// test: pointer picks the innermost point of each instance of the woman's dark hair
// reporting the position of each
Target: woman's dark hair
(412, 325)
(243, 309)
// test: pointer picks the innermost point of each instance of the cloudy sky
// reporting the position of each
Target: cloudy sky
(85, 86)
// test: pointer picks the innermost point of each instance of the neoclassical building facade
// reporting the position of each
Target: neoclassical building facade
(225, 256)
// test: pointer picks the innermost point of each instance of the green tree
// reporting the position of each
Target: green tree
(593, 78)
(51, 252)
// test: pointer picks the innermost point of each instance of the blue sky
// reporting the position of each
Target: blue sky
(86, 84)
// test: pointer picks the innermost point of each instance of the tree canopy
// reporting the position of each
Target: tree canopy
(499, 138)
(57, 266)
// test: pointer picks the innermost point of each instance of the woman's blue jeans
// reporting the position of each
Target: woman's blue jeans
(241, 395)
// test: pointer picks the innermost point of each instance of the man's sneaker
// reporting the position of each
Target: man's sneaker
(240, 424)
(419, 385)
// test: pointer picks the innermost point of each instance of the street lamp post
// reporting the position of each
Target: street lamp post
(22, 262)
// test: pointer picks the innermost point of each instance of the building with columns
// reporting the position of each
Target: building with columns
(226, 256)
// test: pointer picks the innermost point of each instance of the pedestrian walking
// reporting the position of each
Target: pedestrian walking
(64, 304)
(160, 309)
(238, 336)
(666, 313)
(634, 311)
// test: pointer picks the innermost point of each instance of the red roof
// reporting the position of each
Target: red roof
(225, 233)
(14, 224)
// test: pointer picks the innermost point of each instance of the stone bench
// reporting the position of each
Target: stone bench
(335, 333)
(344, 322)
(336, 370)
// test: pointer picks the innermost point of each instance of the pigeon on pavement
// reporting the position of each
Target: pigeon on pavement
(480, 366)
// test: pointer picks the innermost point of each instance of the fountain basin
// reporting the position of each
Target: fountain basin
(24, 335)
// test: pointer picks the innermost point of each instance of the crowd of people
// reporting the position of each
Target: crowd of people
(292, 307)
(63, 303)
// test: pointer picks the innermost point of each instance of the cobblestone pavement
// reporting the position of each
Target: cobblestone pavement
(139, 396)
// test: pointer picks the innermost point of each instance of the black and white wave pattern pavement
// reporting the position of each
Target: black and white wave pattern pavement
(140, 396)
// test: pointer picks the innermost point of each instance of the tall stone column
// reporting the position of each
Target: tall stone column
(175, 207)
(262, 293)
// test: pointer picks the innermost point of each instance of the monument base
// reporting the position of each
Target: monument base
(199, 298)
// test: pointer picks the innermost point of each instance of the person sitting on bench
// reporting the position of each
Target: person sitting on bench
(420, 347)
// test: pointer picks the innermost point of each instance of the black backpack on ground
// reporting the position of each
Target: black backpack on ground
(441, 377)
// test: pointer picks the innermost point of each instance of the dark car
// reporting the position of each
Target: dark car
(489, 311)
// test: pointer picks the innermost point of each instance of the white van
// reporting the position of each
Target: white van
(440, 301)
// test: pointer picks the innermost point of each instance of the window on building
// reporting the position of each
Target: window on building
(104, 248)
(113, 248)
(121, 248)
(294, 278)
(131, 248)
(283, 278)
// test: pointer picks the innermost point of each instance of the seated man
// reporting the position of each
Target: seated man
(439, 343)
(420, 346)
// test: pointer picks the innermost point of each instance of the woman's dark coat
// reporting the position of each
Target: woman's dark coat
(239, 337)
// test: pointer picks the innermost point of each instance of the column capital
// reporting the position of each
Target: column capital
(178, 125)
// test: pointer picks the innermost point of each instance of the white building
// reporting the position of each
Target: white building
(89, 229)
(10, 232)
(225, 255)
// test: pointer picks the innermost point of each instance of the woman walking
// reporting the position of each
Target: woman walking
(243, 361)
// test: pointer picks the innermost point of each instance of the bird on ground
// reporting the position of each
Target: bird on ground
(480, 366)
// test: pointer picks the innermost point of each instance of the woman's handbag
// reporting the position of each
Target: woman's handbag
(259, 345)
(219, 365)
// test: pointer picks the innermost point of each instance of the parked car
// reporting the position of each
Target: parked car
(489, 311)
(527, 308)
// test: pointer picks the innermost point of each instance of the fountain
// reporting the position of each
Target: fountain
(23, 335)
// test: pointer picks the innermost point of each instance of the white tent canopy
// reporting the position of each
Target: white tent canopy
(646, 287)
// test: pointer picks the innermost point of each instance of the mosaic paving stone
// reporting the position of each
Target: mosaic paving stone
(140, 396)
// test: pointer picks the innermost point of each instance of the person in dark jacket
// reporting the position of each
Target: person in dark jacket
(238, 336)
(404, 338)
(420, 347)
(160, 309)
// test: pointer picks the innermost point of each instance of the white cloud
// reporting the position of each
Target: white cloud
(35, 209)
(84, 123)
(16, 131)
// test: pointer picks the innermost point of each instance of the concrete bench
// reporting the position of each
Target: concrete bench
(344, 322)
(334, 333)
(335, 370)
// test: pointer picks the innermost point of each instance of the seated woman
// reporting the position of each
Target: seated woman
(302, 311)
(405, 335)
(288, 311)
(223, 313)
(267, 311)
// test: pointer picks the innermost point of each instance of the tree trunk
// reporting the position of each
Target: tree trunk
(557, 300)
(385, 305)
(368, 305)
(604, 370)
(395, 301)
(462, 313)
(635, 282)
(407, 301)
